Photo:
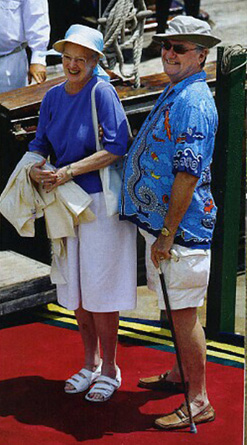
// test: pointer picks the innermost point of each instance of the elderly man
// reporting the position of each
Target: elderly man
(23, 23)
(166, 192)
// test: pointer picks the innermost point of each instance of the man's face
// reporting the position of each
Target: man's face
(182, 59)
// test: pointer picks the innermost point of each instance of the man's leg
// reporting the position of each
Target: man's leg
(192, 347)
(192, 7)
(162, 14)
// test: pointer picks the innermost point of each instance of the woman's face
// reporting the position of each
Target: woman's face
(78, 63)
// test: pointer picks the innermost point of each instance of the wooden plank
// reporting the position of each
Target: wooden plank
(26, 302)
(19, 102)
(24, 283)
(27, 288)
(16, 268)
(26, 101)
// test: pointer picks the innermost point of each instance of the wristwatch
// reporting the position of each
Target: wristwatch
(69, 171)
(165, 231)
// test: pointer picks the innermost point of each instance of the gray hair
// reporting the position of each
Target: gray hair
(200, 48)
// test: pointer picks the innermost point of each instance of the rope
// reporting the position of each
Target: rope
(119, 15)
(227, 55)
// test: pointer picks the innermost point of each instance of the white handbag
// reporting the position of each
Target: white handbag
(111, 176)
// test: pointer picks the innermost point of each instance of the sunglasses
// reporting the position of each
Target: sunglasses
(177, 48)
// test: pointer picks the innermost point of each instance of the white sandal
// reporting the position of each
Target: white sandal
(83, 380)
(105, 386)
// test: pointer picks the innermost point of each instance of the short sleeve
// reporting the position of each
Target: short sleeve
(111, 117)
(191, 139)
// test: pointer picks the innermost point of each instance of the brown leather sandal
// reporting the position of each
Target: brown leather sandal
(159, 382)
(179, 418)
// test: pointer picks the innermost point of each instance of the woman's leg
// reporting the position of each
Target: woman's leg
(106, 325)
(107, 329)
(90, 339)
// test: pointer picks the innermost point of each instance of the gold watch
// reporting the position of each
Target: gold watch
(69, 171)
(165, 231)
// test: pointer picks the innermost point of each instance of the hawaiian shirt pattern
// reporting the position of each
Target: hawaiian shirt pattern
(177, 136)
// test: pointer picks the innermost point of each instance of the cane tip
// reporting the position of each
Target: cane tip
(193, 428)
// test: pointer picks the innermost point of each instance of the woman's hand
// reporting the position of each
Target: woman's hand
(41, 176)
(62, 177)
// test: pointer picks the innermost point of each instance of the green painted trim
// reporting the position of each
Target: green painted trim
(227, 174)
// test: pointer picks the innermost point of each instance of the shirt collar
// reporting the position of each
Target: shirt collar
(198, 77)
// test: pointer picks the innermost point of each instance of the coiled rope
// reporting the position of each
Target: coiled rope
(118, 16)
(227, 55)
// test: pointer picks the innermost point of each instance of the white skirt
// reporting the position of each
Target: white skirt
(101, 264)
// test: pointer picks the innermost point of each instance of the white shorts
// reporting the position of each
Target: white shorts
(186, 280)
(101, 264)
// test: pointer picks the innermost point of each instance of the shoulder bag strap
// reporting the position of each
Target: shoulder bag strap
(95, 118)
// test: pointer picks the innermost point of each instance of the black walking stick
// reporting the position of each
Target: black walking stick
(170, 320)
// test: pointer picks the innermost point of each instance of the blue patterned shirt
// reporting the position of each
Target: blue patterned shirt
(177, 136)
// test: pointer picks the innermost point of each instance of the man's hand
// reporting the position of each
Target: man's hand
(181, 196)
(38, 72)
(160, 249)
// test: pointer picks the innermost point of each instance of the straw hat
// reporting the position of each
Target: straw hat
(190, 29)
(82, 35)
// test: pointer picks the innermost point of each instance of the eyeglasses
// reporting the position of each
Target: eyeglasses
(177, 48)
(69, 59)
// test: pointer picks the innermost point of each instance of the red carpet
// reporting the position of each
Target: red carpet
(35, 360)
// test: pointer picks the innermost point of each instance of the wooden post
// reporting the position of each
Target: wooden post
(226, 186)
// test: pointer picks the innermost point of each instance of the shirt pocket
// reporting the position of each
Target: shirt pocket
(190, 271)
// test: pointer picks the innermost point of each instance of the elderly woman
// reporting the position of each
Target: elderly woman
(100, 265)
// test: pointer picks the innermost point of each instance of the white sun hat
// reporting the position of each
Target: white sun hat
(189, 29)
